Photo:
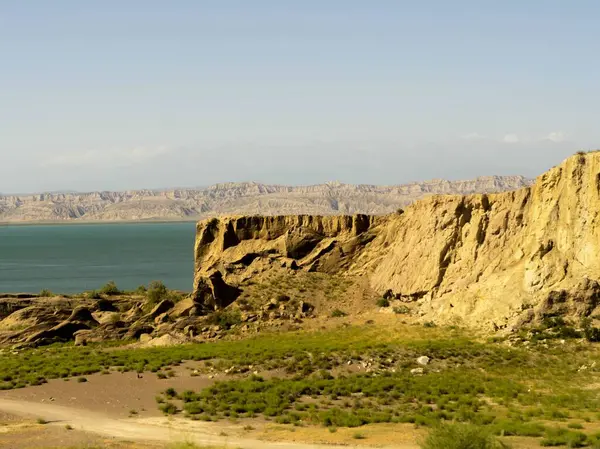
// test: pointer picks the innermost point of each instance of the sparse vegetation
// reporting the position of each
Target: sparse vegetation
(401, 310)
(461, 436)
(383, 302)
(94, 294)
(337, 313)
(110, 289)
(504, 390)
(156, 292)
(168, 408)
(45, 293)
(225, 318)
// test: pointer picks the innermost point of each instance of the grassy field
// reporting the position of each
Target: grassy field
(356, 375)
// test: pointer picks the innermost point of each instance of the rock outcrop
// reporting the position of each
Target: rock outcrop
(486, 260)
(235, 198)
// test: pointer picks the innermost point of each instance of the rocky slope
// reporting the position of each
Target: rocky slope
(236, 198)
(496, 261)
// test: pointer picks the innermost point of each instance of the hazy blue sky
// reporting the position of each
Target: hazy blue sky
(115, 94)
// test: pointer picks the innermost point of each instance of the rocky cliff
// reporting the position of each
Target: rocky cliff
(236, 198)
(489, 260)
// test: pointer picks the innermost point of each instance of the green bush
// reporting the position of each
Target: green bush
(94, 294)
(461, 436)
(224, 318)
(592, 334)
(559, 436)
(110, 289)
(337, 313)
(157, 291)
(383, 302)
(401, 310)
(168, 408)
(170, 393)
(45, 293)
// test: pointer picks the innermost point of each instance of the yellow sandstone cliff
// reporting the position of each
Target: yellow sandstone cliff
(493, 260)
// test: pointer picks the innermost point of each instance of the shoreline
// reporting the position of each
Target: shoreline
(96, 222)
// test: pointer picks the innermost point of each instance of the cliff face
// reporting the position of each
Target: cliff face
(493, 261)
(236, 198)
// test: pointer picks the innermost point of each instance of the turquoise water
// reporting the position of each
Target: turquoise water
(77, 257)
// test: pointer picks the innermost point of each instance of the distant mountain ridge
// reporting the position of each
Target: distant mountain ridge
(245, 198)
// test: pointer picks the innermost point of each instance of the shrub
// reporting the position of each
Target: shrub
(429, 324)
(110, 289)
(383, 302)
(224, 318)
(563, 437)
(401, 310)
(461, 436)
(45, 293)
(94, 294)
(157, 291)
(592, 334)
(170, 393)
(337, 313)
(168, 408)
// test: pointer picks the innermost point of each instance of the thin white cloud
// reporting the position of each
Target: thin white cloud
(510, 138)
(556, 136)
(473, 136)
(107, 157)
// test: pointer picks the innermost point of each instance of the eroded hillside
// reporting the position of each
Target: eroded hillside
(236, 198)
(496, 261)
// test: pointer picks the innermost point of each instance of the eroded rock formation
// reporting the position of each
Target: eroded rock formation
(486, 260)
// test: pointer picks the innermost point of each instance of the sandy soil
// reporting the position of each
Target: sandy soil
(114, 394)
(145, 429)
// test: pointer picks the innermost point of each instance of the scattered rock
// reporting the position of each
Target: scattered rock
(423, 360)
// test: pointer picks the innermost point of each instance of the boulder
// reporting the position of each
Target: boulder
(423, 360)
(138, 329)
(82, 314)
(145, 338)
(164, 306)
(162, 318)
(183, 308)
(61, 333)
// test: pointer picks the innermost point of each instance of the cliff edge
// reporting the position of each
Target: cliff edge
(495, 261)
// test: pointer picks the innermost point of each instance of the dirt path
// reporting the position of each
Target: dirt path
(154, 429)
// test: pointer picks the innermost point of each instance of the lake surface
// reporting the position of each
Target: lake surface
(78, 257)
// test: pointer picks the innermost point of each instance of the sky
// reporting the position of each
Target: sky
(129, 94)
